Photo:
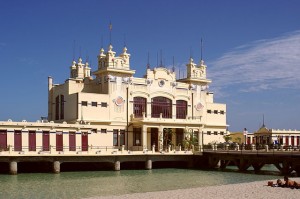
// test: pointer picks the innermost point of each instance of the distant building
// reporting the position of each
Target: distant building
(275, 136)
(111, 108)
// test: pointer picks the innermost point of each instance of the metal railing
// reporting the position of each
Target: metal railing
(252, 148)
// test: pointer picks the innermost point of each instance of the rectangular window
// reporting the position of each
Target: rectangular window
(94, 104)
(84, 141)
(59, 141)
(103, 130)
(115, 137)
(46, 141)
(84, 103)
(208, 132)
(208, 111)
(3, 140)
(32, 140)
(122, 137)
(215, 111)
(222, 133)
(137, 136)
(72, 141)
(222, 112)
(215, 132)
(18, 140)
(104, 104)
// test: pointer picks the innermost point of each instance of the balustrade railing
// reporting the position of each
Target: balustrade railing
(251, 148)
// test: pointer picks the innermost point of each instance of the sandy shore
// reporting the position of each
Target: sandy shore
(250, 190)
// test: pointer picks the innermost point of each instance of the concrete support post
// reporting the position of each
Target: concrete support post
(179, 147)
(169, 148)
(117, 166)
(153, 148)
(56, 167)
(50, 149)
(13, 168)
(148, 164)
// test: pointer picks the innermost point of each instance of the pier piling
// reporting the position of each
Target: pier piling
(13, 168)
(148, 164)
(56, 167)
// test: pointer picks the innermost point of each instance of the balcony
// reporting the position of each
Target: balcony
(149, 118)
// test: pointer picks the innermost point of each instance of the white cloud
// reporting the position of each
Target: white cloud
(261, 65)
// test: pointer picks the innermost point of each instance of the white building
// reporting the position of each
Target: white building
(111, 108)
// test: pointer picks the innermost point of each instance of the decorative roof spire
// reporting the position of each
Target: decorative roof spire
(110, 47)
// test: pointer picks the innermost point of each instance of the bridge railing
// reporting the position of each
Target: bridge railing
(248, 148)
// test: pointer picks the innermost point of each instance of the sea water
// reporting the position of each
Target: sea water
(103, 183)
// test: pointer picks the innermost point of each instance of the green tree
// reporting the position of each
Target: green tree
(190, 139)
(227, 138)
(167, 135)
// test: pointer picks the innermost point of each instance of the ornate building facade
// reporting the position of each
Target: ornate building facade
(111, 108)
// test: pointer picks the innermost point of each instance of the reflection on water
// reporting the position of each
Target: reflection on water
(99, 183)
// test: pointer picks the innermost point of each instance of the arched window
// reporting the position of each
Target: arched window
(161, 105)
(181, 109)
(139, 106)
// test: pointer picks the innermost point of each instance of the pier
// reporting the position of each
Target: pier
(109, 155)
(285, 158)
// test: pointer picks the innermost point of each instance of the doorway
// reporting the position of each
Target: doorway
(154, 138)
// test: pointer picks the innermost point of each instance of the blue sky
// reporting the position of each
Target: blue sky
(252, 49)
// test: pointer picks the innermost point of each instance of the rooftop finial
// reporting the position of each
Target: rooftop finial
(263, 121)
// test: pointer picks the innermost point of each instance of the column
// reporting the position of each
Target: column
(160, 138)
(144, 137)
(200, 138)
(148, 164)
(56, 167)
(25, 139)
(13, 168)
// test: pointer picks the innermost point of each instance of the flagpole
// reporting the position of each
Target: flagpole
(110, 28)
